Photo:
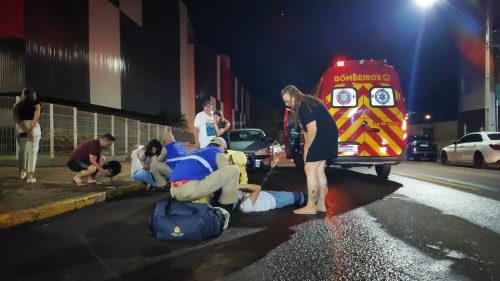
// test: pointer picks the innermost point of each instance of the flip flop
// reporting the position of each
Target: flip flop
(94, 182)
(79, 183)
(299, 212)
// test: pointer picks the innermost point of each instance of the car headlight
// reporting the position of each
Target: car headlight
(262, 151)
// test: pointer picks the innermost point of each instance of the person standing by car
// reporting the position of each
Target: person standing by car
(27, 115)
(320, 144)
(222, 127)
(204, 126)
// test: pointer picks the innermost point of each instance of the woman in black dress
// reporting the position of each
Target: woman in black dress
(320, 144)
(222, 127)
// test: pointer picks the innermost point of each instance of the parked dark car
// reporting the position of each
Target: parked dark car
(255, 145)
(421, 148)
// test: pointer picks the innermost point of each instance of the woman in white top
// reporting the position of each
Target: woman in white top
(204, 126)
(140, 167)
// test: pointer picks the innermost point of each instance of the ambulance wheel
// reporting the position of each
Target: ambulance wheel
(383, 171)
(298, 160)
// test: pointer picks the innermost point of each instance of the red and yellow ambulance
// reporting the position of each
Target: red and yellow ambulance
(365, 100)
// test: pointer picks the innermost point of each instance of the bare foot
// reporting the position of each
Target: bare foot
(321, 208)
(305, 211)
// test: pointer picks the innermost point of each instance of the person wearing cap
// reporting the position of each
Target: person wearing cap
(87, 161)
(172, 151)
(204, 126)
(203, 172)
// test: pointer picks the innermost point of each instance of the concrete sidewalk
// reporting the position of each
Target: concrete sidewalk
(54, 193)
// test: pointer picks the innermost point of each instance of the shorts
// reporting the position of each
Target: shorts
(78, 165)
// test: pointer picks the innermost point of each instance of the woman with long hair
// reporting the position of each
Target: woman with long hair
(158, 167)
(28, 133)
(320, 144)
(222, 126)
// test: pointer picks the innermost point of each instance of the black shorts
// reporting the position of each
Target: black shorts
(78, 165)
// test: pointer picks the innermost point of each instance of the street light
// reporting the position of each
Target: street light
(425, 3)
(490, 103)
(427, 117)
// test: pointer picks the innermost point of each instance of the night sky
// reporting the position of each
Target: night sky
(280, 42)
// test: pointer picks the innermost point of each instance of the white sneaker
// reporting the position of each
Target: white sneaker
(31, 180)
(23, 175)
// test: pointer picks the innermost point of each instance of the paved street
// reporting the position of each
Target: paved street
(427, 222)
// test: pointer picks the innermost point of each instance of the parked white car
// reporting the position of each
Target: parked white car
(479, 149)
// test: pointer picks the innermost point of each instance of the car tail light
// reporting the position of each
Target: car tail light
(495, 146)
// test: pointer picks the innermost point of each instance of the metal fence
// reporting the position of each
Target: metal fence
(64, 127)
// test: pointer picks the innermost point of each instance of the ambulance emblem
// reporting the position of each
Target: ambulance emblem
(344, 97)
(382, 96)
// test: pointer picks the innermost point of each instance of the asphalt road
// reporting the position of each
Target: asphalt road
(424, 223)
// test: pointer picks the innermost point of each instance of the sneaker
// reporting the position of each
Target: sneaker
(23, 175)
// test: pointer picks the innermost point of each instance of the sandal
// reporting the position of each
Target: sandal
(79, 183)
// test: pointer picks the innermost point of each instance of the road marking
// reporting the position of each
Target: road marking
(438, 181)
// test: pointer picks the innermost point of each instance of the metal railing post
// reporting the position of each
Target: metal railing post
(158, 131)
(126, 135)
(75, 127)
(18, 98)
(95, 125)
(51, 130)
(149, 131)
(138, 132)
(113, 133)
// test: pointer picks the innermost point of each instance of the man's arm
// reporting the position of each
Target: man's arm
(94, 161)
(163, 155)
(221, 161)
(254, 191)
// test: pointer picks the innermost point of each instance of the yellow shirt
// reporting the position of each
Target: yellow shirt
(239, 159)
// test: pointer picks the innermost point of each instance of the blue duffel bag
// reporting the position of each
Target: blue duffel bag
(173, 220)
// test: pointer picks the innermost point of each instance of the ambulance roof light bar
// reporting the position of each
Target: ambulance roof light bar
(340, 63)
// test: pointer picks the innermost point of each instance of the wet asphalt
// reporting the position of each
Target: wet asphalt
(397, 229)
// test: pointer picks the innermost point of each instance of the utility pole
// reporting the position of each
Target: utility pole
(490, 120)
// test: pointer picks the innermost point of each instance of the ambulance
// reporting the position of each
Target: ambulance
(365, 100)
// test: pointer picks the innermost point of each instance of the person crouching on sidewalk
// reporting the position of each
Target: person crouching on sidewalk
(87, 161)
(203, 172)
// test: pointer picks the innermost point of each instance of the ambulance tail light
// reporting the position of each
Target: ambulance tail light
(403, 127)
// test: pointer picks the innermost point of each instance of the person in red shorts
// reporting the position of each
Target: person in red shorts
(87, 161)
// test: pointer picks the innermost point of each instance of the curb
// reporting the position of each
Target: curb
(48, 210)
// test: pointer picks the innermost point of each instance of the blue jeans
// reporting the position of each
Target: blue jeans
(285, 198)
(143, 176)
